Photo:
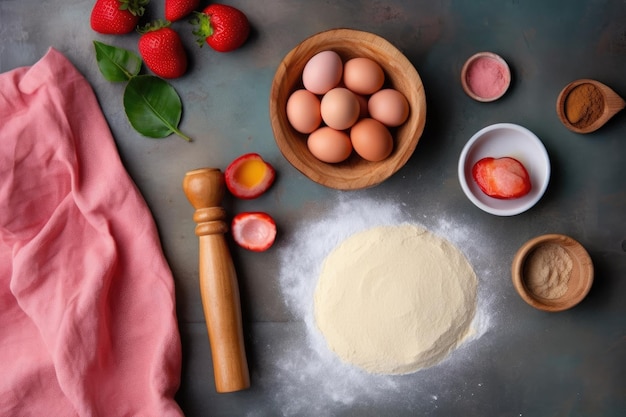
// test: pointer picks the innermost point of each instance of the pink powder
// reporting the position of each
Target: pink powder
(487, 77)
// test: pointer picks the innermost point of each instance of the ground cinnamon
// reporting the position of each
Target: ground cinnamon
(584, 105)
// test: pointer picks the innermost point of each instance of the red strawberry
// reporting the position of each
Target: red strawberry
(503, 178)
(255, 231)
(177, 9)
(249, 176)
(162, 50)
(116, 17)
(224, 28)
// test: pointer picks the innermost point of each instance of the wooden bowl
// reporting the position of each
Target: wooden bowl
(613, 103)
(580, 275)
(355, 172)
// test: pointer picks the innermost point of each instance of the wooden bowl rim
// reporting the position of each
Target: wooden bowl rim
(575, 249)
(470, 61)
(337, 175)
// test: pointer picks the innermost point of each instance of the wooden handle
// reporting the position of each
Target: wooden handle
(218, 280)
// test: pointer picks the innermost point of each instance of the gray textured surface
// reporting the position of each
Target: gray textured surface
(528, 363)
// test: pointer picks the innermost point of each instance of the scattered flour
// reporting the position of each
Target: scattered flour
(310, 377)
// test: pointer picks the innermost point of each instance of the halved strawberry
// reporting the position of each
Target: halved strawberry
(503, 178)
(255, 231)
(249, 176)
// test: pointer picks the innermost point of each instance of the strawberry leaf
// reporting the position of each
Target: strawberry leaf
(153, 107)
(116, 64)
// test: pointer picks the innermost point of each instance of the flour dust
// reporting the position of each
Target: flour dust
(311, 379)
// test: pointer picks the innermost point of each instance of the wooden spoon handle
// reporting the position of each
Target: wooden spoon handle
(218, 281)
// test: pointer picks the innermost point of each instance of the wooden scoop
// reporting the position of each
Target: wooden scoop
(613, 103)
(218, 281)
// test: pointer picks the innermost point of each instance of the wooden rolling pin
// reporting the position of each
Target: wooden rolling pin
(219, 290)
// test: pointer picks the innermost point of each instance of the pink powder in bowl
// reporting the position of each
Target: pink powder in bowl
(487, 77)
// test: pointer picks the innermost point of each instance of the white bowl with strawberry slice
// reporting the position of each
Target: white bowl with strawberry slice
(504, 169)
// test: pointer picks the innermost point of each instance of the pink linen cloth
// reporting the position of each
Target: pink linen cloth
(87, 310)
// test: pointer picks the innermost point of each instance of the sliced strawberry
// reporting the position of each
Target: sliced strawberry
(255, 231)
(249, 176)
(503, 178)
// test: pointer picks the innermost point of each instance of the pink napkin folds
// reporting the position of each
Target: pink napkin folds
(87, 312)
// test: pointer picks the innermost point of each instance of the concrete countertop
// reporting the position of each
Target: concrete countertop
(527, 362)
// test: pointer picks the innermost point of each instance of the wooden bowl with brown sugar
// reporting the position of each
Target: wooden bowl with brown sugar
(552, 272)
(400, 74)
(585, 105)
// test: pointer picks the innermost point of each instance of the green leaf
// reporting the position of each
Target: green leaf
(153, 107)
(116, 64)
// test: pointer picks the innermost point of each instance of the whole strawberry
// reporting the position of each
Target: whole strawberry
(177, 9)
(224, 28)
(116, 17)
(162, 50)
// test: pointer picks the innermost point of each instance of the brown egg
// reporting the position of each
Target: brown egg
(340, 108)
(389, 107)
(371, 140)
(363, 75)
(322, 72)
(362, 106)
(329, 145)
(303, 111)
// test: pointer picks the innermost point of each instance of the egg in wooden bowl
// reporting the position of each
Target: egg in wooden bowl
(345, 168)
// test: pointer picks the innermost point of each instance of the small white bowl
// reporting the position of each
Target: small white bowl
(497, 141)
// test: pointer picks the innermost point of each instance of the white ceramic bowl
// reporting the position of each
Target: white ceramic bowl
(500, 140)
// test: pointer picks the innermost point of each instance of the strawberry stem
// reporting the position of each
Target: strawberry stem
(153, 26)
(135, 7)
(203, 29)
